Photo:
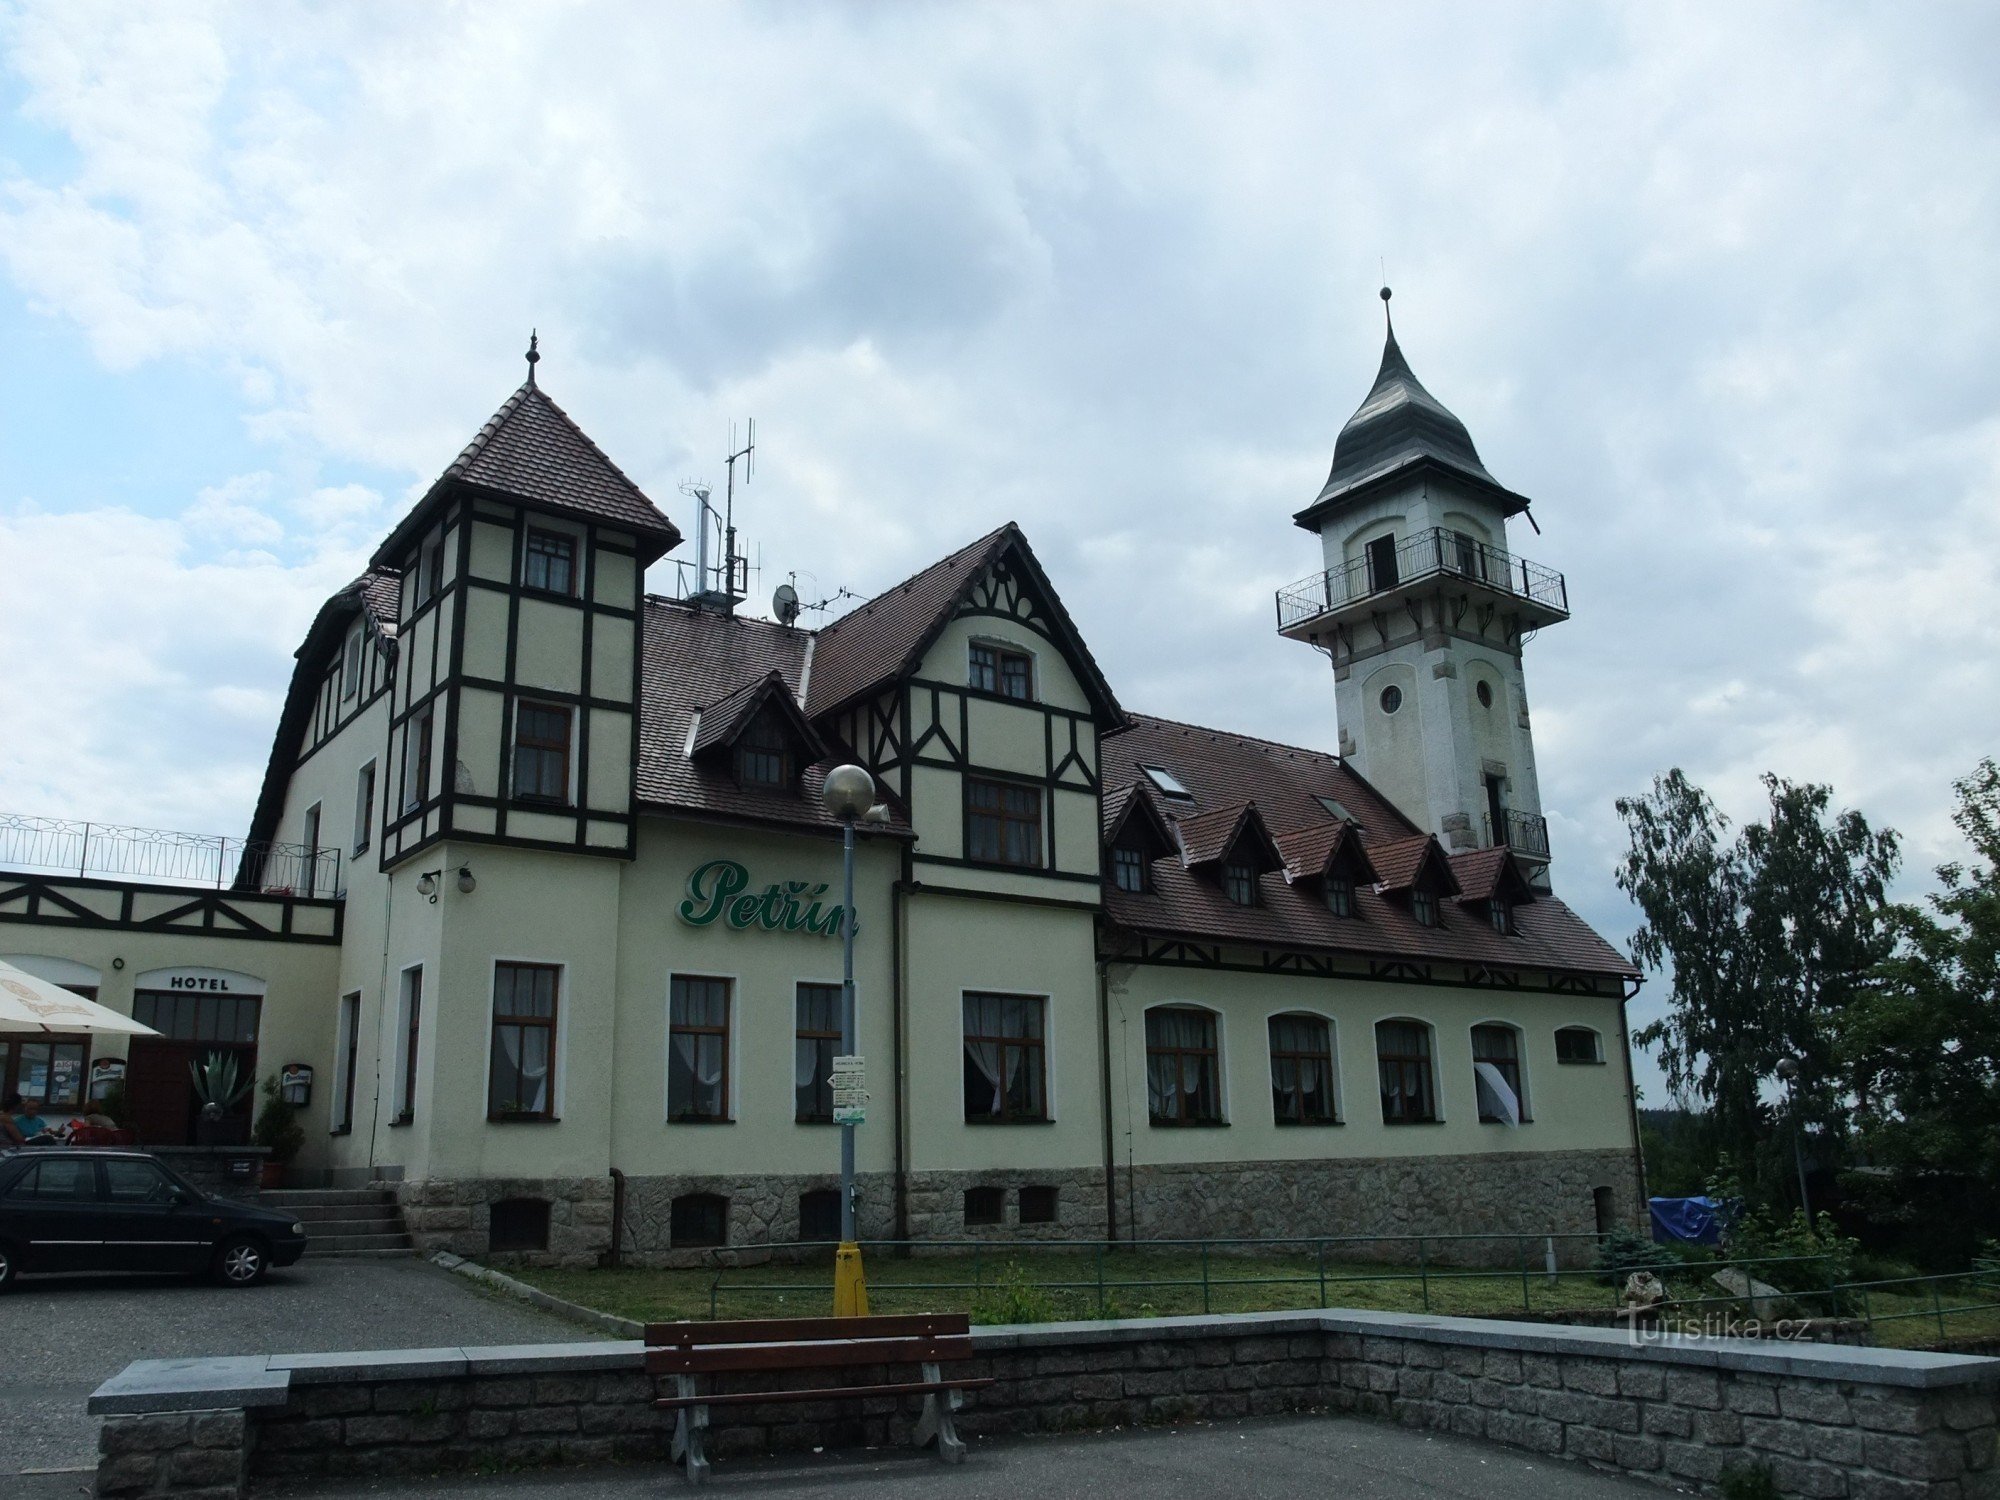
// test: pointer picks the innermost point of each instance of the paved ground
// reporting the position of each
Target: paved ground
(60, 1337)
(1291, 1458)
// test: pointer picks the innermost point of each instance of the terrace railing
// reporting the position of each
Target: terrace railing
(73, 847)
(1425, 554)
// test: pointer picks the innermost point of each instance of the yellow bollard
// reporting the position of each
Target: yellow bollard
(850, 1283)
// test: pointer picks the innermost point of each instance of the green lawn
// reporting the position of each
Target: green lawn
(1015, 1285)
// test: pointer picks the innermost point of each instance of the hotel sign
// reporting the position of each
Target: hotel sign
(719, 891)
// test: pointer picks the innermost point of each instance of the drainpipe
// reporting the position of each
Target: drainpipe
(1104, 1101)
(1632, 1097)
(897, 895)
(617, 1219)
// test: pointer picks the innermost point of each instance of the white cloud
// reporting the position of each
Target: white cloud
(1712, 285)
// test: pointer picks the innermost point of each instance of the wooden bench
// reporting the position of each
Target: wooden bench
(689, 1351)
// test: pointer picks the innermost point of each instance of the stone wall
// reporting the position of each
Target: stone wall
(1858, 1424)
(1540, 1193)
(233, 1172)
(1535, 1194)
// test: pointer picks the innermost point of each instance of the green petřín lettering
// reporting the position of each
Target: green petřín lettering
(720, 889)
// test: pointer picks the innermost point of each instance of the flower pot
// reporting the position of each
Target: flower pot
(272, 1174)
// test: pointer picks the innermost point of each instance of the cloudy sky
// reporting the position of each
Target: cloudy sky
(1713, 284)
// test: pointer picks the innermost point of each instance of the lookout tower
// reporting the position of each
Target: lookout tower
(1423, 610)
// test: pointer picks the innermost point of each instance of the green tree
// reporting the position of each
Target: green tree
(1924, 1044)
(1766, 938)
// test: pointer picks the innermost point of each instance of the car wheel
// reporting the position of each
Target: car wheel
(10, 1262)
(241, 1261)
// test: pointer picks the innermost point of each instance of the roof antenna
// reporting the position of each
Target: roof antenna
(534, 354)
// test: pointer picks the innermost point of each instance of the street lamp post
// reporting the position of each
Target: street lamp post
(848, 794)
(1788, 1069)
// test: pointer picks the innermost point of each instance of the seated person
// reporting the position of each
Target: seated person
(28, 1118)
(10, 1133)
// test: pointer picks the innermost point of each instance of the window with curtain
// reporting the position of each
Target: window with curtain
(1496, 1075)
(764, 752)
(1183, 1076)
(816, 1032)
(1424, 906)
(1003, 823)
(1239, 884)
(1403, 1056)
(1501, 915)
(541, 752)
(1008, 673)
(1340, 895)
(1004, 1058)
(1302, 1070)
(520, 1082)
(1128, 869)
(698, 1049)
(1577, 1044)
(550, 562)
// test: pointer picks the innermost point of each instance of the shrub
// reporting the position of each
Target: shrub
(277, 1124)
(1622, 1251)
(1013, 1298)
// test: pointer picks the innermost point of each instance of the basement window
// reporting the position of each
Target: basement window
(985, 1205)
(518, 1224)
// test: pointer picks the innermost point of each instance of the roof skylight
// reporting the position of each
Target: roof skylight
(1338, 811)
(1168, 784)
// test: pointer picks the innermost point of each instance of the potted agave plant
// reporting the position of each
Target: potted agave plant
(220, 1086)
(278, 1131)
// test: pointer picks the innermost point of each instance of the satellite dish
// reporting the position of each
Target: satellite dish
(785, 604)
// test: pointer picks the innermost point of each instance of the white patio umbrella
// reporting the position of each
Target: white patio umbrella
(34, 1005)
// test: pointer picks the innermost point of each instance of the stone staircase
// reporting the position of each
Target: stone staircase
(344, 1221)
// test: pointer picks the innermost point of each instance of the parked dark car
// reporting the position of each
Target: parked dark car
(68, 1209)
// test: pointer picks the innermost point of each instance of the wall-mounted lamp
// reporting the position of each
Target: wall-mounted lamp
(427, 885)
(466, 884)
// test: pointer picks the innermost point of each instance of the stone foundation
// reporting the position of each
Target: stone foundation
(1539, 1194)
(1543, 1193)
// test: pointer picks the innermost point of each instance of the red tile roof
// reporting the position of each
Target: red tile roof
(531, 450)
(1309, 852)
(1398, 865)
(696, 658)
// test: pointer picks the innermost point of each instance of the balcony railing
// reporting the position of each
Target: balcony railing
(1524, 833)
(79, 848)
(1426, 554)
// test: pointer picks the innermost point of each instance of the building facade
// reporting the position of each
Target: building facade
(540, 891)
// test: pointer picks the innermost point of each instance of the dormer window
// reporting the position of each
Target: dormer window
(1128, 870)
(1239, 883)
(995, 669)
(1501, 915)
(549, 562)
(1340, 895)
(764, 754)
(1424, 906)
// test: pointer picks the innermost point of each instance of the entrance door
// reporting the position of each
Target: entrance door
(159, 1081)
(1382, 564)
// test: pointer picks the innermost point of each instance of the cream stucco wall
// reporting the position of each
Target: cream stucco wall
(1573, 1106)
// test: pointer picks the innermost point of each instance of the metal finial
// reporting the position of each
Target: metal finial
(1386, 319)
(534, 354)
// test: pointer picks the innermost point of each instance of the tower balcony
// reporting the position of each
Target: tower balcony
(1527, 834)
(1418, 564)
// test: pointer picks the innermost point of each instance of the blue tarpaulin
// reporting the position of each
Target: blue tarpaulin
(1687, 1221)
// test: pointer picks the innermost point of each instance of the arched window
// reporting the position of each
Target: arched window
(1496, 1074)
(1183, 1066)
(1577, 1044)
(1403, 1058)
(1302, 1091)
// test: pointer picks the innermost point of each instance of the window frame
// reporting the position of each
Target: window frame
(532, 535)
(364, 807)
(309, 864)
(1596, 1058)
(1002, 819)
(418, 749)
(347, 1053)
(350, 665)
(523, 707)
(552, 1024)
(1427, 1059)
(14, 1044)
(776, 745)
(1047, 1202)
(1003, 661)
(678, 1241)
(409, 1029)
(1183, 1119)
(1033, 1047)
(1514, 1069)
(1330, 1059)
(827, 1040)
(430, 572)
(1240, 883)
(1500, 916)
(677, 984)
(1124, 858)
(1424, 907)
(986, 1193)
(1338, 895)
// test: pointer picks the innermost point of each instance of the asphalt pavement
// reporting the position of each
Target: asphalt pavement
(1283, 1458)
(62, 1336)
